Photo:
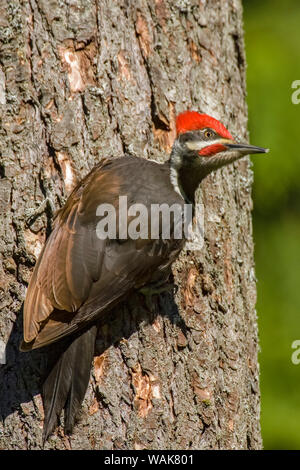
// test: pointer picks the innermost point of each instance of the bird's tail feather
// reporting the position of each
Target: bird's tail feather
(66, 384)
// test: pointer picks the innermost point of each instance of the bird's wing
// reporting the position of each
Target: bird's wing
(79, 275)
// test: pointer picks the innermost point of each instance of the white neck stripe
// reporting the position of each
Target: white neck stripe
(199, 144)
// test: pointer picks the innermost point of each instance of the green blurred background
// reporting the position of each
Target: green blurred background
(272, 36)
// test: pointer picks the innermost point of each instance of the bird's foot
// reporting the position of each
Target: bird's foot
(32, 214)
(155, 289)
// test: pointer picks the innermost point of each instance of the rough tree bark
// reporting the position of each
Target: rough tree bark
(85, 79)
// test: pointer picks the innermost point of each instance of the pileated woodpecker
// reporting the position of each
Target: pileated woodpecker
(79, 277)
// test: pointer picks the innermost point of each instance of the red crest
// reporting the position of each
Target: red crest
(192, 121)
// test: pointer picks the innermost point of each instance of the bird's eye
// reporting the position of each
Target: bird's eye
(208, 134)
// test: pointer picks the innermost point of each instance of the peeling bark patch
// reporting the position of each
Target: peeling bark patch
(202, 392)
(165, 133)
(79, 65)
(67, 170)
(94, 407)
(230, 425)
(161, 13)
(146, 387)
(156, 325)
(142, 399)
(143, 34)
(189, 293)
(34, 242)
(181, 340)
(124, 69)
(74, 72)
(39, 405)
(139, 446)
(156, 391)
(99, 366)
(194, 51)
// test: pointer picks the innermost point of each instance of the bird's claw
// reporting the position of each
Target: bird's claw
(149, 291)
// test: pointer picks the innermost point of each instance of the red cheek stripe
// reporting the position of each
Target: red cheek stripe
(212, 150)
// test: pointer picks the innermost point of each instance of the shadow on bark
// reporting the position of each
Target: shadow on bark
(23, 374)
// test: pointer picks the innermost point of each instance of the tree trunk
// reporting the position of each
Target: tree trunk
(85, 79)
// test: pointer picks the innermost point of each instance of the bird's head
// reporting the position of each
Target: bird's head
(203, 144)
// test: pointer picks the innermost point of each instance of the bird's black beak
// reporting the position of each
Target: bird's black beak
(246, 148)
